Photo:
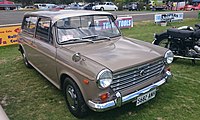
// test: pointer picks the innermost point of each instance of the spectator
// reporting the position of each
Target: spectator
(153, 6)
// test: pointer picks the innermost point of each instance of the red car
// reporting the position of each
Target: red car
(191, 7)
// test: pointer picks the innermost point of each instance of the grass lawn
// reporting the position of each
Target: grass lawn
(26, 95)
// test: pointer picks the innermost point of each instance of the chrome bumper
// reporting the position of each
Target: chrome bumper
(131, 97)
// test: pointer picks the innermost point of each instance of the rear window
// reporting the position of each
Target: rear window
(29, 24)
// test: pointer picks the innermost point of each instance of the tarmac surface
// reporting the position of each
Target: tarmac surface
(14, 17)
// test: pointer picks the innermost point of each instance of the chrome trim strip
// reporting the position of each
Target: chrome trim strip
(131, 97)
(188, 58)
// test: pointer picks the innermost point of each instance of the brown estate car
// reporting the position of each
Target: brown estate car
(84, 54)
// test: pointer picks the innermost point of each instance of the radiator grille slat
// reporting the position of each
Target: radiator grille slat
(133, 76)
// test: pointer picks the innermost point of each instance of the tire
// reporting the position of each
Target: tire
(74, 99)
(160, 37)
(115, 9)
(164, 43)
(102, 9)
(7, 8)
(25, 60)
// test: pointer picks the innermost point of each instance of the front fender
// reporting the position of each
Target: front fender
(159, 37)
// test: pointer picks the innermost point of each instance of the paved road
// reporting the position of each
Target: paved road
(13, 17)
(142, 16)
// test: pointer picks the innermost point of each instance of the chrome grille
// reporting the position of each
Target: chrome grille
(132, 76)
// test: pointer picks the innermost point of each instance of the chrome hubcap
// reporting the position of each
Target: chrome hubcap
(71, 97)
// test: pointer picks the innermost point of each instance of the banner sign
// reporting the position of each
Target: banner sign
(8, 35)
(122, 22)
(169, 17)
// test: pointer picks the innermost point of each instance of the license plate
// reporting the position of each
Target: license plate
(145, 97)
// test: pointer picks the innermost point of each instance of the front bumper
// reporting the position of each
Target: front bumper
(131, 97)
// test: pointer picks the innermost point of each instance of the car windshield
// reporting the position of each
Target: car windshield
(86, 29)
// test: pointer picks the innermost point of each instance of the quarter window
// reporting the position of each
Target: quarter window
(29, 24)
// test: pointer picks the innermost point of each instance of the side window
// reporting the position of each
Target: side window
(43, 31)
(29, 24)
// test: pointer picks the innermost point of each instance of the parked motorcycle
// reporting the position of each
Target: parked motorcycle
(184, 41)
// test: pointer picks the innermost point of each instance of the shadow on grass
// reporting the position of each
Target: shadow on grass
(125, 110)
(186, 62)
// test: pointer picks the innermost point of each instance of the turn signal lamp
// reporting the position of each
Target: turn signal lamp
(168, 69)
(104, 96)
(86, 81)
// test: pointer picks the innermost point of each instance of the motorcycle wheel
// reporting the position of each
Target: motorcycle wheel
(163, 43)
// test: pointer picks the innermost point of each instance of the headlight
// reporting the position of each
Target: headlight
(169, 56)
(104, 78)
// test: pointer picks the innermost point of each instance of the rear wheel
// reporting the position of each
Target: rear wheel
(25, 60)
(74, 99)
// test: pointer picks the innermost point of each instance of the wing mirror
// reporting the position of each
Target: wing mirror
(76, 57)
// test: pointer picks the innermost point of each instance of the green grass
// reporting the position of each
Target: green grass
(26, 95)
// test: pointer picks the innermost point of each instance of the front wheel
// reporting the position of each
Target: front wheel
(166, 44)
(74, 99)
(102, 9)
(163, 43)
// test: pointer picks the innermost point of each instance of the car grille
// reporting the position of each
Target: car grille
(126, 78)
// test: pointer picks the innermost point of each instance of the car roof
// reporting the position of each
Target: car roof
(57, 15)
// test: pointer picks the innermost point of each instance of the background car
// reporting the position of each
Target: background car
(28, 8)
(74, 6)
(88, 6)
(105, 6)
(59, 7)
(133, 6)
(191, 7)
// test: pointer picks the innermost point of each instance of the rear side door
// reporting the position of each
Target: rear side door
(27, 36)
(45, 56)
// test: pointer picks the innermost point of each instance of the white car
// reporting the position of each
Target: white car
(105, 6)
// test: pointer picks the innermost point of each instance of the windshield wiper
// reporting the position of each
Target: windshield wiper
(76, 40)
(90, 36)
(102, 38)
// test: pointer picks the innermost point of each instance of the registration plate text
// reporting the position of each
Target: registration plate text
(145, 97)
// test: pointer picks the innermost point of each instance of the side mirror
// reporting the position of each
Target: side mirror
(76, 57)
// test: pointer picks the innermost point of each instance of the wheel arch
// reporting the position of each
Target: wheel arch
(65, 75)
(21, 48)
